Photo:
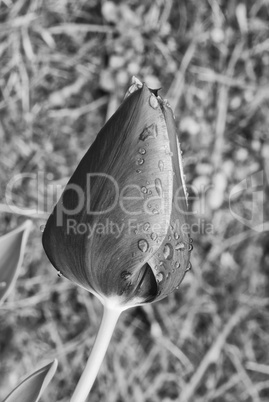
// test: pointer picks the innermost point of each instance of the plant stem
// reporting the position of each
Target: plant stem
(108, 323)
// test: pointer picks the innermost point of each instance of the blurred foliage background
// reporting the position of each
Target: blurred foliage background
(64, 68)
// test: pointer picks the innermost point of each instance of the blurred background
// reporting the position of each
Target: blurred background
(64, 68)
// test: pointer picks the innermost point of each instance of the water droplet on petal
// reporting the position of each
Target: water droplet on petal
(142, 151)
(146, 226)
(189, 267)
(168, 152)
(143, 245)
(169, 238)
(154, 236)
(149, 132)
(42, 228)
(59, 274)
(125, 275)
(153, 102)
(140, 161)
(168, 251)
(180, 246)
(138, 171)
(190, 247)
(161, 166)
(155, 211)
(177, 264)
(190, 239)
(144, 190)
(159, 277)
(176, 236)
(158, 187)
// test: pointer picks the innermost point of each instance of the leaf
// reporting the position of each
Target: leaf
(12, 246)
(31, 389)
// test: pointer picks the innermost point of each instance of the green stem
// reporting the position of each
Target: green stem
(108, 323)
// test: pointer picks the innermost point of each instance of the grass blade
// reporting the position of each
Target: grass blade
(12, 247)
(31, 389)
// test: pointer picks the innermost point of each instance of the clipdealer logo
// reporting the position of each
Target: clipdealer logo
(246, 201)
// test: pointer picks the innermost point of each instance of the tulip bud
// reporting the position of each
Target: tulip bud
(119, 229)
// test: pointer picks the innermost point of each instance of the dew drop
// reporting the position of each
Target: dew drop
(143, 245)
(159, 277)
(140, 161)
(189, 267)
(135, 231)
(146, 226)
(169, 238)
(59, 274)
(142, 151)
(168, 152)
(138, 171)
(149, 132)
(158, 187)
(42, 228)
(156, 267)
(3, 285)
(149, 205)
(168, 275)
(190, 247)
(161, 166)
(180, 246)
(144, 190)
(125, 275)
(154, 236)
(190, 239)
(177, 264)
(176, 236)
(168, 251)
(155, 211)
(153, 102)
(161, 262)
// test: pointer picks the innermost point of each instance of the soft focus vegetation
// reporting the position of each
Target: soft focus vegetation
(64, 68)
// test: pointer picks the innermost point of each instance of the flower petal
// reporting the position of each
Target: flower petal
(173, 257)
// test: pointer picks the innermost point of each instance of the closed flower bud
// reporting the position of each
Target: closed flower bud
(119, 229)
